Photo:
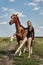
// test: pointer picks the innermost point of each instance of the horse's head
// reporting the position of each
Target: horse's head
(14, 18)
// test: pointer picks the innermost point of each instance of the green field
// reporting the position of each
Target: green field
(23, 60)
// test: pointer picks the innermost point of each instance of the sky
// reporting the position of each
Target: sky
(27, 10)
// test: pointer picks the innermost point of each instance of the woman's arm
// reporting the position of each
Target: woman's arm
(33, 34)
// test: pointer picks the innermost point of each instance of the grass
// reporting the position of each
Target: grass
(38, 47)
(1, 56)
(23, 60)
(5, 42)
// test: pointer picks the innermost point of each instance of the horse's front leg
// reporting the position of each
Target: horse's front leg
(25, 49)
(18, 46)
(12, 37)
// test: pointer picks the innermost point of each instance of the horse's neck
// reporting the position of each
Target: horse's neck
(17, 24)
(19, 28)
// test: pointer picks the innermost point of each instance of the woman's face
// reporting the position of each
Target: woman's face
(29, 23)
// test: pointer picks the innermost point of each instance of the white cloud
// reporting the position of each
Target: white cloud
(41, 27)
(36, 5)
(11, 0)
(36, 29)
(4, 15)
(32, 4)
(3, 22)
(20, 14)
(38, 0)
(41, 12)
(11, 11)
(36, 8)
(6, 9)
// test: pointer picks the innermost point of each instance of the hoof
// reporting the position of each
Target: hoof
(20, 53)
(29, 57)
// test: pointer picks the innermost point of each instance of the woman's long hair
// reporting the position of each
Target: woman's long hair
(30, 27)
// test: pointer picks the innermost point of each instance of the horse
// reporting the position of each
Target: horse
(21, 31)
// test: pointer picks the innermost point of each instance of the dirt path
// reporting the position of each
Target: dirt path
(6, 61)
(7, 58)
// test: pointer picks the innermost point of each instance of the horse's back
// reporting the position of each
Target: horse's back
(25, 32)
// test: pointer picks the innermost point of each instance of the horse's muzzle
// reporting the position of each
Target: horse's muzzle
(10, 23)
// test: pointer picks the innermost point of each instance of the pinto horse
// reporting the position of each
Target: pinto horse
(21, 32)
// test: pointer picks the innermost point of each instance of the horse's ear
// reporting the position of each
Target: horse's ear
(17, 14)
(13, 14)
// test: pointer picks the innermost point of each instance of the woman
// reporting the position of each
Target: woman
(30, 37)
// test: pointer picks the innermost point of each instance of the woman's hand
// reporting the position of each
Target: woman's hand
(33, 41)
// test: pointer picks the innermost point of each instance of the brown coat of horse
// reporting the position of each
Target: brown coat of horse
(21, 32)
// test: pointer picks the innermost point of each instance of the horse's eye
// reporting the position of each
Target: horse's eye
(14, 17)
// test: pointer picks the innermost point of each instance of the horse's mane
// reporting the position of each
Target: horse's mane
(20, 23)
